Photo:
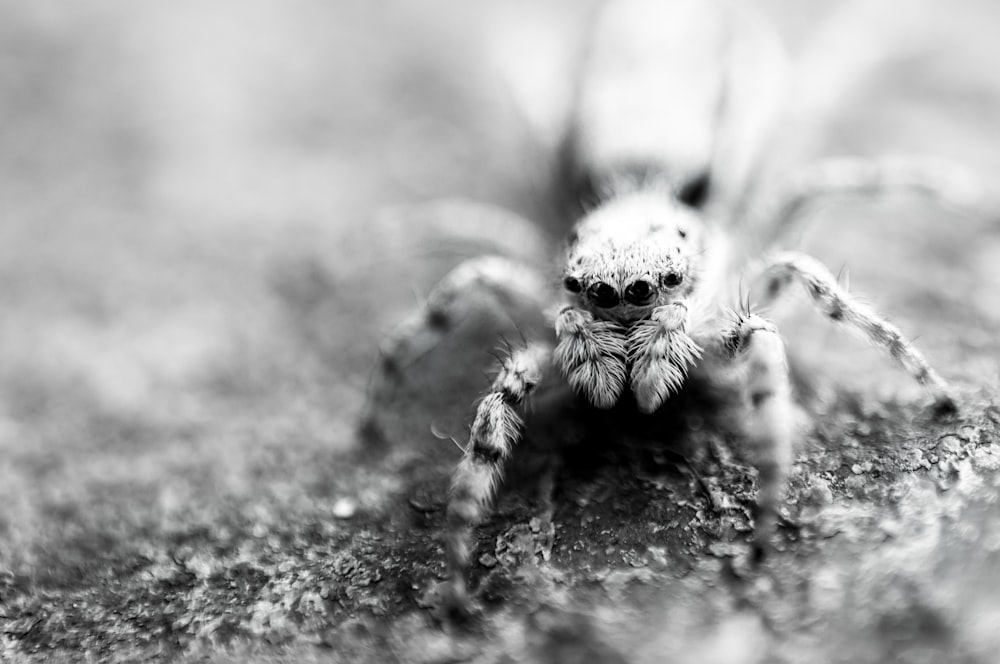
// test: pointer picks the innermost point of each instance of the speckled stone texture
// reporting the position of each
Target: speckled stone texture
(213, 211)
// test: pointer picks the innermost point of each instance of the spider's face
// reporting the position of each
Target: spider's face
(633, 254)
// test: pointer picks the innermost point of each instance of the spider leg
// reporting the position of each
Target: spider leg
(949, 184)
(592, 355)
(838, 305)
(495, 431)
(755, 345)
(660, 352)
(462, 228)
(494, 282)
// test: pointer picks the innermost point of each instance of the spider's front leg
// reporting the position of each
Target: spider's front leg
(754, 344)
(660, 352)
(495, 431)
(592, 355)
(838, 305)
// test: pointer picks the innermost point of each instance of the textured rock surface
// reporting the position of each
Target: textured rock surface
(195, 277)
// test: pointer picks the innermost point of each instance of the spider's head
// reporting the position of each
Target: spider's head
(632, 254)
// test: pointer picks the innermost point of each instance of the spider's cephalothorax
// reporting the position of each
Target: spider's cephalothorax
(631, 268)
(637, 252)
(647, 268)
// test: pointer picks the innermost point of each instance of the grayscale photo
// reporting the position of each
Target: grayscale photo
(620, 331)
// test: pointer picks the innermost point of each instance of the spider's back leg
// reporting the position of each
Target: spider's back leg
(949, 185)
(499, 285)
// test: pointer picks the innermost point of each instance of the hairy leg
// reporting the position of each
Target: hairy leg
(495, 431)
(488, 281)
(948, 184)
(838, 305)
(592, 355)
(754, 344)
(660, 352)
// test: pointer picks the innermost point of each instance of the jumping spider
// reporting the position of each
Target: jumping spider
(671, 108)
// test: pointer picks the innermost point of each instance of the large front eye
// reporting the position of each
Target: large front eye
(640, 292)
(603, 295)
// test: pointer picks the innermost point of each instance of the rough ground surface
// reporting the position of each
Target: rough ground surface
(195, 275)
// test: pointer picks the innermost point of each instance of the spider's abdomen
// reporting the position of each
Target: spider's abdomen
(650, 92)
(673, 96)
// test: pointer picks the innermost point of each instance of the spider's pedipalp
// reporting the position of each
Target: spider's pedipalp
(495, 431)
(592, 355)
(754, 343)
(838, 305)
(660, 352)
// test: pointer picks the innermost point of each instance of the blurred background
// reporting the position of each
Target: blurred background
(196, 263)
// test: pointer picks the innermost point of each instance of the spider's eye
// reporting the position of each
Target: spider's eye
(672, 279)
(695, 192)
(572, 284)
(603, 295)
(639, 292)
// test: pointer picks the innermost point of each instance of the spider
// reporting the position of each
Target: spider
(672, 105)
